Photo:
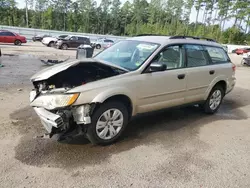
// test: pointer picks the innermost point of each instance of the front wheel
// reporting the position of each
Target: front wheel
(17, 42)
(108, 123)
(51, 44)
(214, 100)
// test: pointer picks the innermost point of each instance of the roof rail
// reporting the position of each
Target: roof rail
(192, 37)
(140, 35)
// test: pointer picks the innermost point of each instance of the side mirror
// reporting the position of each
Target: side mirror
(157, 67)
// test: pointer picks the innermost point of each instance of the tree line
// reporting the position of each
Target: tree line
(166, 17)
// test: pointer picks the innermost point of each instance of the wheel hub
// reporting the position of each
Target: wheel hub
(109, 124)
(215, 99)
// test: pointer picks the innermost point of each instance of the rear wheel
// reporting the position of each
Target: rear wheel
(108, 123)
(64, 47)
(214, 100)
(17, 42)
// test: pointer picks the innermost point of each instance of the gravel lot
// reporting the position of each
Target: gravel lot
(170, 148)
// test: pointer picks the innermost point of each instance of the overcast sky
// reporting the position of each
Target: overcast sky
(21, 4)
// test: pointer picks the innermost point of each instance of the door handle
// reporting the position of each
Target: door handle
(211, 72)
(181, 76)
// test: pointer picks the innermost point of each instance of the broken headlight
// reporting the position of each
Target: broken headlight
(51, 102)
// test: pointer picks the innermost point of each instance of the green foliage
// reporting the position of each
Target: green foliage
(165, 17)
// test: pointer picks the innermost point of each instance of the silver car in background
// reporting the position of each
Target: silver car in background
(103, 43)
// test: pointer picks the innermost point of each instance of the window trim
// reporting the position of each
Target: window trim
(157, 48)
(210, 59)
(5, 35)
(184, 58)
(205, 56)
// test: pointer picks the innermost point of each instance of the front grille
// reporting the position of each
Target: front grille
(59, 122)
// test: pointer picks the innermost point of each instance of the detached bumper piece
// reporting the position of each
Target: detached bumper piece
(61, 125)
(48, 119)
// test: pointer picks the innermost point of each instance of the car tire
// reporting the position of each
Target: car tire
(98, 46)
(214, 100)
(64, 47)
(102, 134)
(237, 54)
(51, 44)
(17, 42)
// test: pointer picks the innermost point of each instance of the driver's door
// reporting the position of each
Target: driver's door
(167, 88)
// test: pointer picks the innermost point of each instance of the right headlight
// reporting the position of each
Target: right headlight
(54, 101)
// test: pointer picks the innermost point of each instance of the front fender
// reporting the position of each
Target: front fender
(103, 96)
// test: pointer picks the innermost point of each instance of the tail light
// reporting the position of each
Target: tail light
(234, 67)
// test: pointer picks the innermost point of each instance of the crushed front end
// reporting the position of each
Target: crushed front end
(61, 119)
(55, 104)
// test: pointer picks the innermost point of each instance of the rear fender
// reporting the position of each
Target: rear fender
(214, 82)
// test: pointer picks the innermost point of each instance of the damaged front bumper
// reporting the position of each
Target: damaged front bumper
(65, 122)
(48, 119)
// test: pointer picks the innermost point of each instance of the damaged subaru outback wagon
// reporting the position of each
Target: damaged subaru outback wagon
(97, 97)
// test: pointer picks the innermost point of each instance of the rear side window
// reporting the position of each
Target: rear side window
(84, 39)
(73, 38)
(217, 55)
(81, 38)
(196, 55)
(106, 40)
(7, 34)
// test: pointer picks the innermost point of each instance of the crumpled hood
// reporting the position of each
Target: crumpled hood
(50, 71)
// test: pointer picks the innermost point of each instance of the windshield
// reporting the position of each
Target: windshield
(128, 54)
(67, 38)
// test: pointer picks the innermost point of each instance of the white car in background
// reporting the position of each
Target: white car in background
(50, 41)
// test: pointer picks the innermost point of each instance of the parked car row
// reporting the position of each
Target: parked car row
(51, 41)
(73, 41)
(102, 43)
(61, 42)
(241, 51)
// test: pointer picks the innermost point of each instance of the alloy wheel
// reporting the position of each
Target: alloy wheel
(215, 99)
(109, 124)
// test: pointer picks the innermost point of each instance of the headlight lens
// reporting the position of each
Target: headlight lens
(51, 102)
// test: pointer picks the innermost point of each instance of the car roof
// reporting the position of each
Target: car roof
(166, 40)
(2, 30)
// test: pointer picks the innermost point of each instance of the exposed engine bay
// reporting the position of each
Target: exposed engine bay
(77, 75)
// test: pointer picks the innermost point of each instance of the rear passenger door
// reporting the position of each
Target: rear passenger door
(82, 40)
(2, 37)
(199, 72)
(73, 43)
(10, 37)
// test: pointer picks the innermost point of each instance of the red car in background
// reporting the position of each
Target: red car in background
(10, 37)
(242, 51)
